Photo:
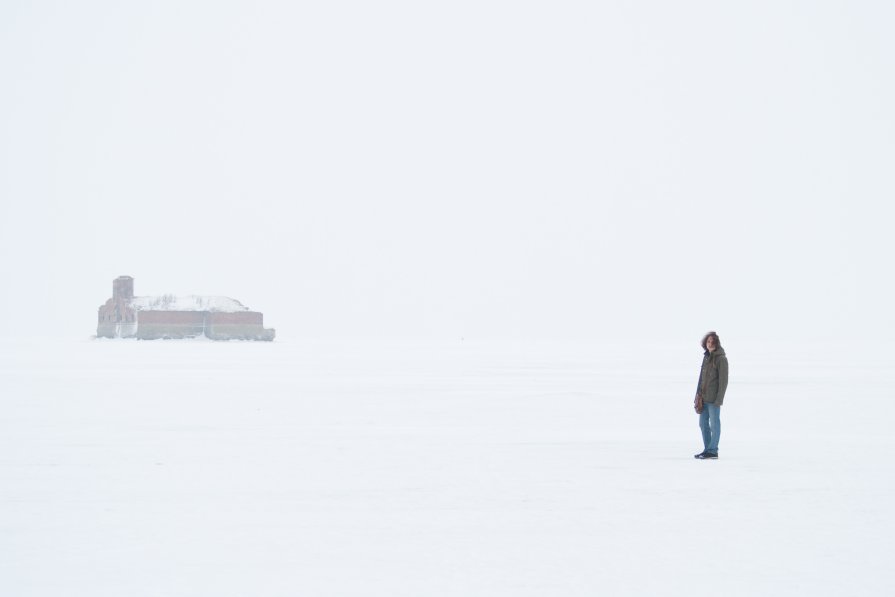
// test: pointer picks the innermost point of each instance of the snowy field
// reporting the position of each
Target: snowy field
(195, 468)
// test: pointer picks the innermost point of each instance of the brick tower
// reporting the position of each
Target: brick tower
(122, 289)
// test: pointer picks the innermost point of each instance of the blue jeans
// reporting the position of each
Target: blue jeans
(710, 424)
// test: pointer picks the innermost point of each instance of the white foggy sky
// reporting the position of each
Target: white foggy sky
(454, 169)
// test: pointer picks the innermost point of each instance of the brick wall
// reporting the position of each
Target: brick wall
(170, 324)
(242, 325)
(238, 318)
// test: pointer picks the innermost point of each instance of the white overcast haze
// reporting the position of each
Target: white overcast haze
(577, 190)
(453, 169)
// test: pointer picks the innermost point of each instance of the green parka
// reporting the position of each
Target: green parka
(713, 377)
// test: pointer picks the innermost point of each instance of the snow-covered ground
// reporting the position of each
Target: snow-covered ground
(193, 468)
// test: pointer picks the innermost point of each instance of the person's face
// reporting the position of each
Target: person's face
(710, 344)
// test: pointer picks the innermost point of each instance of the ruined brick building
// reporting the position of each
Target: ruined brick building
(167, 316)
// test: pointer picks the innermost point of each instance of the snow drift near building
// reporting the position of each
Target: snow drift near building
(169, 316)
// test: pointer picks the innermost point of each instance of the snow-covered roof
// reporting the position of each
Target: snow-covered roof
(169, 302)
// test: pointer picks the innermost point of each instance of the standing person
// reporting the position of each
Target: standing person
(711, 388)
